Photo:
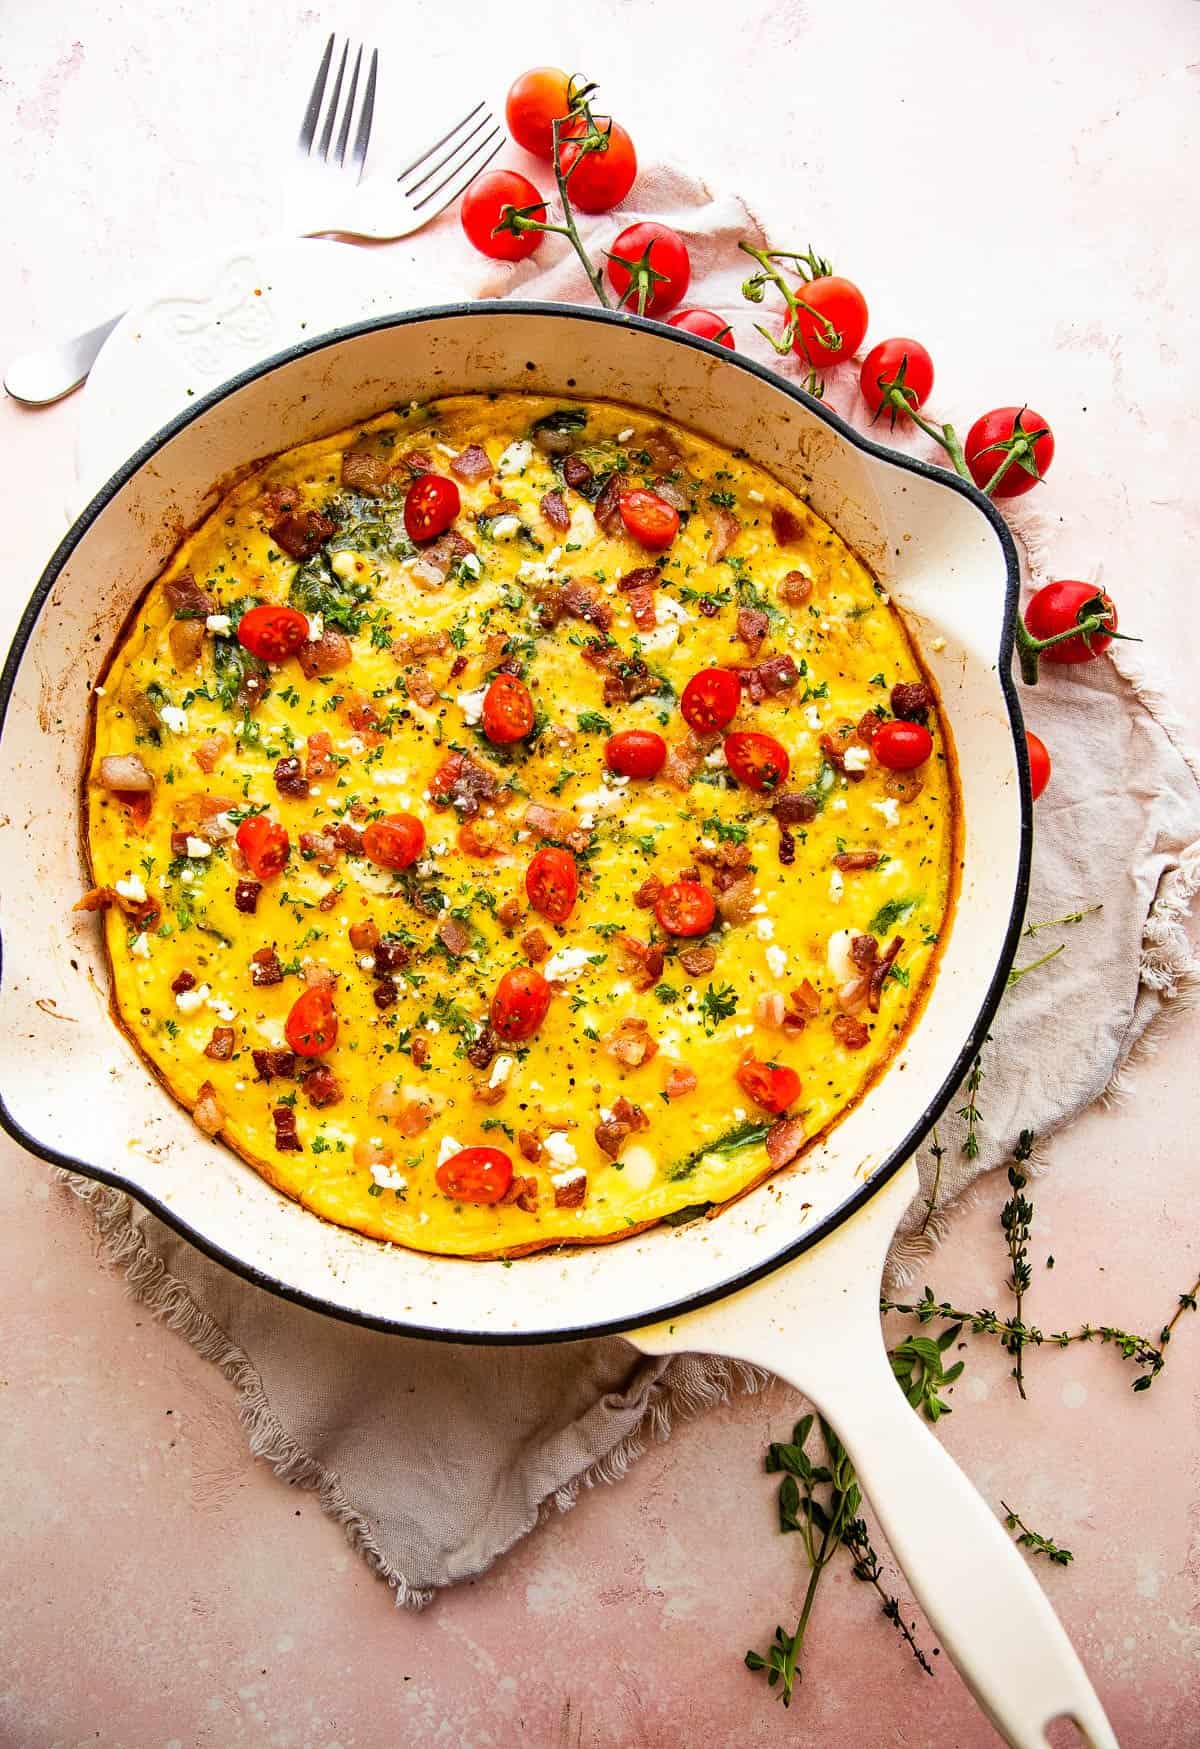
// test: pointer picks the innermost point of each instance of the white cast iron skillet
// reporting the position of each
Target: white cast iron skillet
(73, 1090)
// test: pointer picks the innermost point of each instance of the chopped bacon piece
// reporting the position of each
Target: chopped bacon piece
(220, 1045)
(331, 651)
(577, 473)
(364, 472)
(645, 577)
(554, 509)
(301, 533)
(522, 1192)
(471, 464)
(484, 1048)
(415, 463)
(317, 975)
(869, 725)
(904, 786)
(328, 899)
(362, 717)
(286, 1139)
(289, 776)
(391, 956)
(647, 893)
(795, 588)
(660, 445)
(628, 679)
(265, 967)
(186, 638)
(769, 1009)
(498, 507)
(97, 899)
(580, 602)
(208, 754)
(527, 1142)
(630, 1042)
(184, 981)
(186, 599)
(852, 860)
(245, 896)
(786, 526)
(641, 606)
(698, 961)
(805, 999)
(319, 761)
(454, 936)
(419, 1051)
(457, 667)
(348, 838)
(607, 508)
(768, 679)
(912, 701)
(278, 498)
(557, 826)
(725, 530)
(462, 783)
(534, 946)
(573, 1193)
(272, 1065)
(725, 856)
(626, 1119)
(321, 1086)
(753, 625)
(509, 913)
(682, 764)
(850, 1032)
(421, 689)
(792, 808)
(385, 994)
(207, 1111)
(671, 492)
(787, 846)
(364, 935)
(834, 745)
(680, 1082)
(643, 959)
(784, 1141)
(736, 902)
(414, 649)
(880, 970)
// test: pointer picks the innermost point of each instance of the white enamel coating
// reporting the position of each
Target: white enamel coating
(74, 1089)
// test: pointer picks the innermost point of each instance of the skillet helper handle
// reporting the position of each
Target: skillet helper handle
(815, 1323)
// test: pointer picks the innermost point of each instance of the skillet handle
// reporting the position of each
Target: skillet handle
(816, 1324)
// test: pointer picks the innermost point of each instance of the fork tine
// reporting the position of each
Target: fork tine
(363, 137)
(458, 146)
(437, 144)
(463, 174)
(308, 126)
(331, 116)
(344, 131)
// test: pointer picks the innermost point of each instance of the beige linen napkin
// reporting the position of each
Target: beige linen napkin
(437, 1458)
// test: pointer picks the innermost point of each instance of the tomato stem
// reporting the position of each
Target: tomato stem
(1029, 648)
(752, 291)
(591, 141)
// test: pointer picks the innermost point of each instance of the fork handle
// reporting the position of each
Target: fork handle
(38, 378)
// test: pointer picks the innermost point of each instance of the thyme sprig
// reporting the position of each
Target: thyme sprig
(970, 1111)
(938, 1152)
(1055, 922)
(1032, 1539)
(1016, 1223)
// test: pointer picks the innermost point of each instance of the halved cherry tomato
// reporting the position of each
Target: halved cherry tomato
(1003, 431)
(1039, 763)
(552, 883)
(311, 1027)
(272, 633)
(598, 180)
(710, 699)
(483, 208)
(902, 746)
(903, 364)
(635, 753)
(706, 323)
(520, 1004)
(475, 1175)
(431, 506)
(838, 328)
(648, 518)
(758, 761)
(265, 845)
(535, 102)
(1057, 607)
(508, 713)
(396, 841)
(664, 252)
(685, 908)
(773, 1086)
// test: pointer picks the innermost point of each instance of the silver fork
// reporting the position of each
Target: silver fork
(377, 211)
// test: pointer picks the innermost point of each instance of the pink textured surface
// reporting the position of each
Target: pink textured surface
(161, 1589)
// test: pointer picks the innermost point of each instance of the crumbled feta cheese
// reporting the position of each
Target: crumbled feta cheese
(502, 1068)
(198, 847)
(777, 960)
(560, 1148)
(447, 1149)
(661, 638)
(668, 608)
(139, 947)
(471, 704)
(856, 758)
(837, 885)
(624, 436)
(174, 719)
(715, 759)
(470, 565)
(316, 627)
(739, 1112)
(99, 691)
(938, 645)
(219, 624)
(505, 527)
(812, 716)
(839, 804)
(742, 1031)
(565, 965)
(187, 875)
(366, 962)
(187, 1001)
(764, 928)
(433, 1026)
(755, 496)
(344, 565)
(132, 887)
(605, 796)
(572, 1175)
(639, 1167)
(356, 745)
(583, 526)
(222, 1009)
(516, 458)
(890, 809)
(224, 822)
(387, 1177)
(837, 956)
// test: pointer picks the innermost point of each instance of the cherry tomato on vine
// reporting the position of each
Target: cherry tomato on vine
(534, 103)
(396, 841)
(311, 1027)
(265, 845)
(520, 1004)
(1057, 607)
(710, 699)
(475, 1175)
(773, 1086)
(996, 435)
(665, 253)
(706, 323)
(635, 753)
(508, 713)
(603, 178)
(904, 363)
(758, 761)
(685, 908)
(272, 633)
(1039, 763)
(552, 883)
(839, 326)
(651, 521)
(483, 208)
(430, 507)
(902, 746)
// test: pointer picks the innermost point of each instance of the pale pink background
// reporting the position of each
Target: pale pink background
(1018, 189)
